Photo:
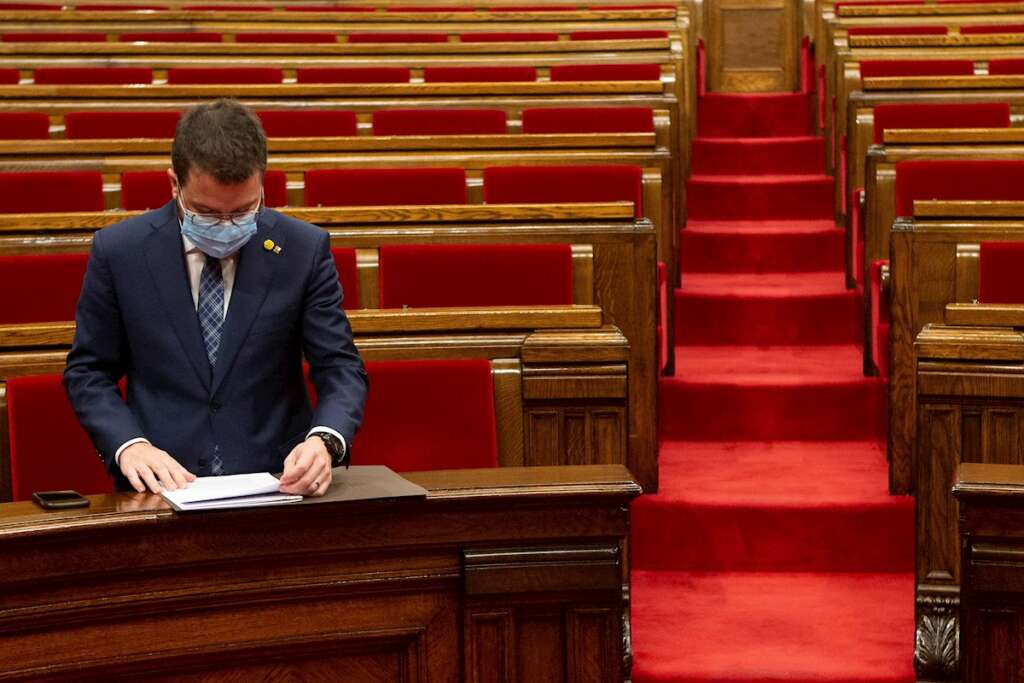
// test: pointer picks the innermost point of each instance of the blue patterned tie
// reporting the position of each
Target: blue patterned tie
(211, 307)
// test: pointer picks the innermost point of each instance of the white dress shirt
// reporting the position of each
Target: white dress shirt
(195, 260)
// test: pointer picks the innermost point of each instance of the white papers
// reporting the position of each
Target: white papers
(232, 491)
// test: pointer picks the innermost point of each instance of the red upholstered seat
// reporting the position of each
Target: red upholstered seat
(616, 35)
(383, 74)
(42, 287)
(969, 179)
(9, 77)
(348, 275)
(54, 37)
(479, 74)
(999, 273)
(588, 120)
(563, 184)
(80, 125)
(275, 188)
(49, 449)
(51, 191)
(42, 7)
(215, 75)
(69, 75)
(916, 67)
(606, 72)
(286, 37)
(329, 8)
(609, 8)
(312, 123)
(144, 190)
(228, 8)
(428, 415)
(898, 30)
(172, 37)
(1006, 67)
(24, 126)
(385, 186)
(967, 115)
(397, 37)
(533, 8)
(460, 275)
(430, 8)
(508, 37)
(840, 5)
(115, 7)
(992, 28)
(440, 122)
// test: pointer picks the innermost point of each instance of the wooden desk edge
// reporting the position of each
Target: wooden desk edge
(975, 480)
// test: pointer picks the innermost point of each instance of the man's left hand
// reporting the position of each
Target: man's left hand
(307, 469)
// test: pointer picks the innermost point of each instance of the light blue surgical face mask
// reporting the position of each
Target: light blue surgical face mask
(218, 235)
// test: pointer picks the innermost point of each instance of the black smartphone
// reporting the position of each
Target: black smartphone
(60, 500)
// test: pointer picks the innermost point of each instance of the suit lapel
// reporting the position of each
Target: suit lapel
(165, 257)
(253, 275)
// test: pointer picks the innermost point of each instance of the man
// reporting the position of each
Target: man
(208, 305)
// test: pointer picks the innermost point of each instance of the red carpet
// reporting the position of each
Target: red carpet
(772, 551)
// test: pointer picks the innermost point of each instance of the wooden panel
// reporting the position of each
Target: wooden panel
(938, 457)
(490, 646)
(1001, 435)
(576, 435)
(592, 629)
(608, 436)
(543, 435)
(508, 410)
(541, 642)
(752, 45)
(967, 273)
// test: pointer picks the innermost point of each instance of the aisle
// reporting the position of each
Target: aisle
(772, 551)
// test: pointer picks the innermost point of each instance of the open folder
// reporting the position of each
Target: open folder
(231, 491)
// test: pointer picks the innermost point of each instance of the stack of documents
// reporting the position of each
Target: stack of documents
(232, 491)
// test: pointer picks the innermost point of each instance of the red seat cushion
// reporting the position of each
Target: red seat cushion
(533, 8)
(312, 123)
(1006, 67)
(275, 188)
(397, 37)
(47, 287)
(616, 35)
(121, 75)
(461, 275)
(93, 125)
(952, 179)
(53, 37)
(999, 273)
(348, 275)
(24, 125)
(588, 120)
(381, 74)
(440, 122)
(329, 8)
(479, 74)
(143, 190)
(898, 30)
(51, 191)
(428, 415)
(214, 75)
(508, 37)
(9, 77)
(114, 7)
(606, 72)
(992, 28)
(385, 186)
(286, 37)
(228, 8)
(430, 8)
(49, 449)
(609, 8)
(10, 6)
(967, 115)
(564, 184)
(916, 67)
(172, 37)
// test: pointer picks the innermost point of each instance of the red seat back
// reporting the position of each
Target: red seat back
(508, 37)
(42, 287)
(24, 125)
(1006, 67)
(992, 28)
(479, 74)
(382, 74)
(172, 37)
(329, 8)
(460, 275)
(617, 35)
(311, 123)
(286, 37)
(228, 8)
(70, 75)
(564, 184)
(53, 37)
(9, 77)
(49, 449)
(942, 179)
(440, 122)
(588, 120)
(428, 415)
(533, 8)
(999, 273)
(81, 125)
(916, 67)
(115, 7)
(385, 186)
(397, 37)
(606, 72)
(430, 8)
(348, 275)
(144, 190)
(216, 75)
(51, 191)
(967, 115)
(6, 6)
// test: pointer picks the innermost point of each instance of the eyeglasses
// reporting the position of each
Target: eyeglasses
(211, 220)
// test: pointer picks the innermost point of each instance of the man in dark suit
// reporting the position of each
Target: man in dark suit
(208, 305)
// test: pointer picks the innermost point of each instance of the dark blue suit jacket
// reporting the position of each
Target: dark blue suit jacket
(136, 318)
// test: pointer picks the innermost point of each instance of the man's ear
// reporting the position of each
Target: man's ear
(173, 179)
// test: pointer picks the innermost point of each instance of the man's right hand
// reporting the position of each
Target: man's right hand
(146, 466)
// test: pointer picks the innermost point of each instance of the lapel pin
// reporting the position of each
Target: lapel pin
(269, 245)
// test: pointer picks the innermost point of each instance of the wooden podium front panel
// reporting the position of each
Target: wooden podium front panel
(753, 45)
(495, 575)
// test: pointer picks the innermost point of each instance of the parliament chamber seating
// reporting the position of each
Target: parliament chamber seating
(440, 122)
(53, 191)
(224, 76)
(999, 277)
(42, 287)
(24, 126)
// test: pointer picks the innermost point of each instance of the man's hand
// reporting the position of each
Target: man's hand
(146, 466)
(307, 469)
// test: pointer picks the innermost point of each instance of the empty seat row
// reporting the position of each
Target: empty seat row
(292, 123)
(325, 36)
(323, 75)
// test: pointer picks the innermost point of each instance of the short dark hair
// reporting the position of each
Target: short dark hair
(222, 138)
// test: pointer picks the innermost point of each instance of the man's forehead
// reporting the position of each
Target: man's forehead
(205, 192)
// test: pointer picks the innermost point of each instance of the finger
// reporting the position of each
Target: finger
(166, 480)
(179, 474)
(290, 473)
(311, 481)
(147, 476)
(303, 483)
(324, 485)
(134, 480)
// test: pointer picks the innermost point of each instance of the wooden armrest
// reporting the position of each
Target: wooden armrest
(947, 136)
(967, 209)
(941, 82)
(985, 315)
(387, 320)
(37, 335)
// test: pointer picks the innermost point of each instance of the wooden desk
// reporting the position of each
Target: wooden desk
(512, 574)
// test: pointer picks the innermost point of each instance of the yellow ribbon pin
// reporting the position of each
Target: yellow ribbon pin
(268, 245)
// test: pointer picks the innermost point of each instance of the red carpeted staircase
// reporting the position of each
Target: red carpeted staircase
(772, 551)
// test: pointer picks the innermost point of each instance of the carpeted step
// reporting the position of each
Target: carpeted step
(759, 197)
(783, 506)
(750, 393)
(761, 246)
(752, 156)
(754, 115)
(772, 627)
(766, 309)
